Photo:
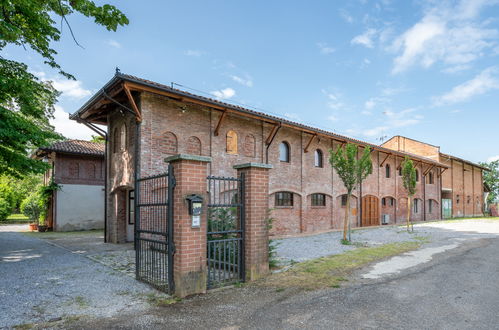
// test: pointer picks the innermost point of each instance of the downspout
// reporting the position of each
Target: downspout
(424, 197)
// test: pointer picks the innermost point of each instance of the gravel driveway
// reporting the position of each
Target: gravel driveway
(298, 249)
(42, 282)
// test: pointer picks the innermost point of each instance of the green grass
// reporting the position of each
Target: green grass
(332, 270)
(16, 218)
(60, 234)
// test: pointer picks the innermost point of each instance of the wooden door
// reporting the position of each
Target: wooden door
(370, 211)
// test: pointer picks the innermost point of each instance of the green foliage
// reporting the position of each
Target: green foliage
(7, 194)
(35, 206)
(97, 139)
(272, 243)
(5, 209)
(15, 190)
(409, 176)
(491, 178)
(26, 103)
(30, 206)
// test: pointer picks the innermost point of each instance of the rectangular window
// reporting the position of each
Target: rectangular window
(344, 200)
(430, 206)
(318, 200)
(392, 201)
(383, 201)
(284, 199)
(416, 206)
(131, 207)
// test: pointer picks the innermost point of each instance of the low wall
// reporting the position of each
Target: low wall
(79, 207)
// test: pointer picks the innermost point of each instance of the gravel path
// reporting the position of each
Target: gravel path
(299, 249)
(42, 282)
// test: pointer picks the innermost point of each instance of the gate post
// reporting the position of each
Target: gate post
(189, 263)
(256, 235)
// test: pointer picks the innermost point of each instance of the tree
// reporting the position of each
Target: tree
(26, 103)
(352, 171)
(409, 183)
(491, 178)
(97, 139)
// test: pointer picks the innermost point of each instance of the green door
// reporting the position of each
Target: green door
(447, 208)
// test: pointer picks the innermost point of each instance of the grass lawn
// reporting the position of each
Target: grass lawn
(330, 271)
(58, 234)
(16, 218)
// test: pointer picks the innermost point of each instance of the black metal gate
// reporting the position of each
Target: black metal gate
(154, 230)
(225, 250)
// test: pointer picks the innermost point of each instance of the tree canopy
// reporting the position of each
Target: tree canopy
(491, 178)
(26, 102)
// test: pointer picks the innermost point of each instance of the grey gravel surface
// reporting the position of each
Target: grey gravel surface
(298, 249)
(42, 282)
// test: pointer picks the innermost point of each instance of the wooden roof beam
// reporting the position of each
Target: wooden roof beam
(384, 160)
(272, 134)
(219, 124)
(309, 142)
(138, 115)
(428, 170)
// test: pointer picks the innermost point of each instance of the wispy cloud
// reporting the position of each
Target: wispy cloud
(113, 43)
(346, 16)
(194, 52)
(484, 82)
(392, 119)
(493, 158)
(332, 118)
(365, 39)
(245, 81)
(69, 128)
(292, 116)
(334, 101)
(224, 94)
(453, 35)
(69, 88)
(325, 48)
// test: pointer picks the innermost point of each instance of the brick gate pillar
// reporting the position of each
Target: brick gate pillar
(189, 265)
(256, 249)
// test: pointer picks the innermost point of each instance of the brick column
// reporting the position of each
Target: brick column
(189, 265)
(256, 234)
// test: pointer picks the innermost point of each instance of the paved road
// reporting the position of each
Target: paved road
(40, 282)
(457, 289)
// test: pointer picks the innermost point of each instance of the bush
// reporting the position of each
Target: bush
(31, 206)
(7, 194)
(5, 209)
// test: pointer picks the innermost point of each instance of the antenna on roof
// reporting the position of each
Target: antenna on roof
(117, 71)
(382, 138)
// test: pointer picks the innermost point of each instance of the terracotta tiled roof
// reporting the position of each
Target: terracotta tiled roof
(77, 147)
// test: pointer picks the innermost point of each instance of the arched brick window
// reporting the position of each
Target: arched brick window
(74, 170)
(168, 143)
(194, 146)
(116, 140)
(231, 142)
(318, 159)
(122, 143)
(90, 169)
(249, 145)
(284, 152)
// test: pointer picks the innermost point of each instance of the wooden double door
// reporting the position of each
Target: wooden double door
(370, 211)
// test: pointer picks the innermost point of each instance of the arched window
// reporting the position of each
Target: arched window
(116, 140)
(74, 170)
(283, 198)
(249, 145)
(400, 170)
(416, 205)
(168, 143)
(430, 178)
(318, 158)
(122, 143)
(231, 142)
(387, 170)
(284, 152)
(194, 145)
(318, 199)
(417, 176)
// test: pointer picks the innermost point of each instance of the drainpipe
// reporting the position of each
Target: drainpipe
(424, 198)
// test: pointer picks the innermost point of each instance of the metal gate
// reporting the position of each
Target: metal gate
(225, 250)
(154, 230)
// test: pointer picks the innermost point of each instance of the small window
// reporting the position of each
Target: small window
(469, 199)
(430, 178)
(284, 152)
(416, 205)
(383, 201)
(318, 200)
(318, 158)
(400, 171)
(231, 142)
(457, 199)
(131, 207)
(387, 170)
(123, 137)
(284, 199)
(392, 201)
(430, 206)
(344, 200)
(417, 176)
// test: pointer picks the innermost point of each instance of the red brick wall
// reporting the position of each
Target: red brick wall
(76, 169)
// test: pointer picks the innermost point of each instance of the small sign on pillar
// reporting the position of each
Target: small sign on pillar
(195, 209)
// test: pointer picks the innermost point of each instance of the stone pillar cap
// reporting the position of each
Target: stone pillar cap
(188, 157)
(258, 165)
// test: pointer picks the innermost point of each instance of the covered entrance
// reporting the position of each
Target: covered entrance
(370, 211)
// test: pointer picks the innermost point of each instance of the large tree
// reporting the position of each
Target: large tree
(491, 178)
(26, 103)
(409, 183)
(352, 170)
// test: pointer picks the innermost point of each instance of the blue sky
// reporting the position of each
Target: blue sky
(424, 69)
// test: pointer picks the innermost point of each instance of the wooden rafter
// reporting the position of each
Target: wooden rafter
(219, 124)
(339, 148)
(384, 160)
(443, 170)
(138, 115)
(309, 142)
(428, 170)
(272, 134)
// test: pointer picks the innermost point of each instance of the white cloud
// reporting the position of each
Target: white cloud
(365, 39)
(392, 120)
(68, 88)
(113, 43)
(454, 36)
(484, 82)
(346, 16)
(369, 104)
(69, 128)
(332, 118)
(334, 101)
(493, 158)
(194, 52)
(325, 48)
(223, 94)
(292, 116)
(246, 81)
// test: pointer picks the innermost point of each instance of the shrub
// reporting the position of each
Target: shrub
(7, 194)
(30, 206)
(4, 209)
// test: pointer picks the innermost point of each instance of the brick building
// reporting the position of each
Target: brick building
(462, 184)
(148, 122)
(78, 167)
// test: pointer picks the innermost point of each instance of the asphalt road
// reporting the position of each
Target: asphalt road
(457, 289)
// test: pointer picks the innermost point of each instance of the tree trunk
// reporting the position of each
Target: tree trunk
(347, 218)
(408, 212)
